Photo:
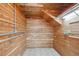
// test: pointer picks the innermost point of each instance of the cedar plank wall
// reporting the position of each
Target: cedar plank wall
(11, 44)
(6, 18)
(65, 45)
(39, 34)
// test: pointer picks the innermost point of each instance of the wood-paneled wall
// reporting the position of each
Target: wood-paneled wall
(12, 30)
(39, 34)
(67, 46)
(64, 44)
(6, 18)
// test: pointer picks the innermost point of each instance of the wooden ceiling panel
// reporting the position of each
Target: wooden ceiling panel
(57, 7)
(54, 8)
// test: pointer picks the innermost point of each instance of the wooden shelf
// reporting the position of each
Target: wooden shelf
(51, 16)
(11, 42)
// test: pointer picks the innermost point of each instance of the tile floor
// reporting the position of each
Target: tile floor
(40, 52)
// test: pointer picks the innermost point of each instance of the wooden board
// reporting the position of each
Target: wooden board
(12, 44)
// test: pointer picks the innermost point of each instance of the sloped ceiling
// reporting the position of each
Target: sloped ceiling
(54, 8)
(58, 8)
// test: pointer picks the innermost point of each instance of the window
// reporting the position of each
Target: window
(71, 23)
(77, 11)
(69, 16)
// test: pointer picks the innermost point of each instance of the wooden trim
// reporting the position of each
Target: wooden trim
(52, 17)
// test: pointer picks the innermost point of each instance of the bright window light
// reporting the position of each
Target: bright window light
(77, 11)
(69, 16)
